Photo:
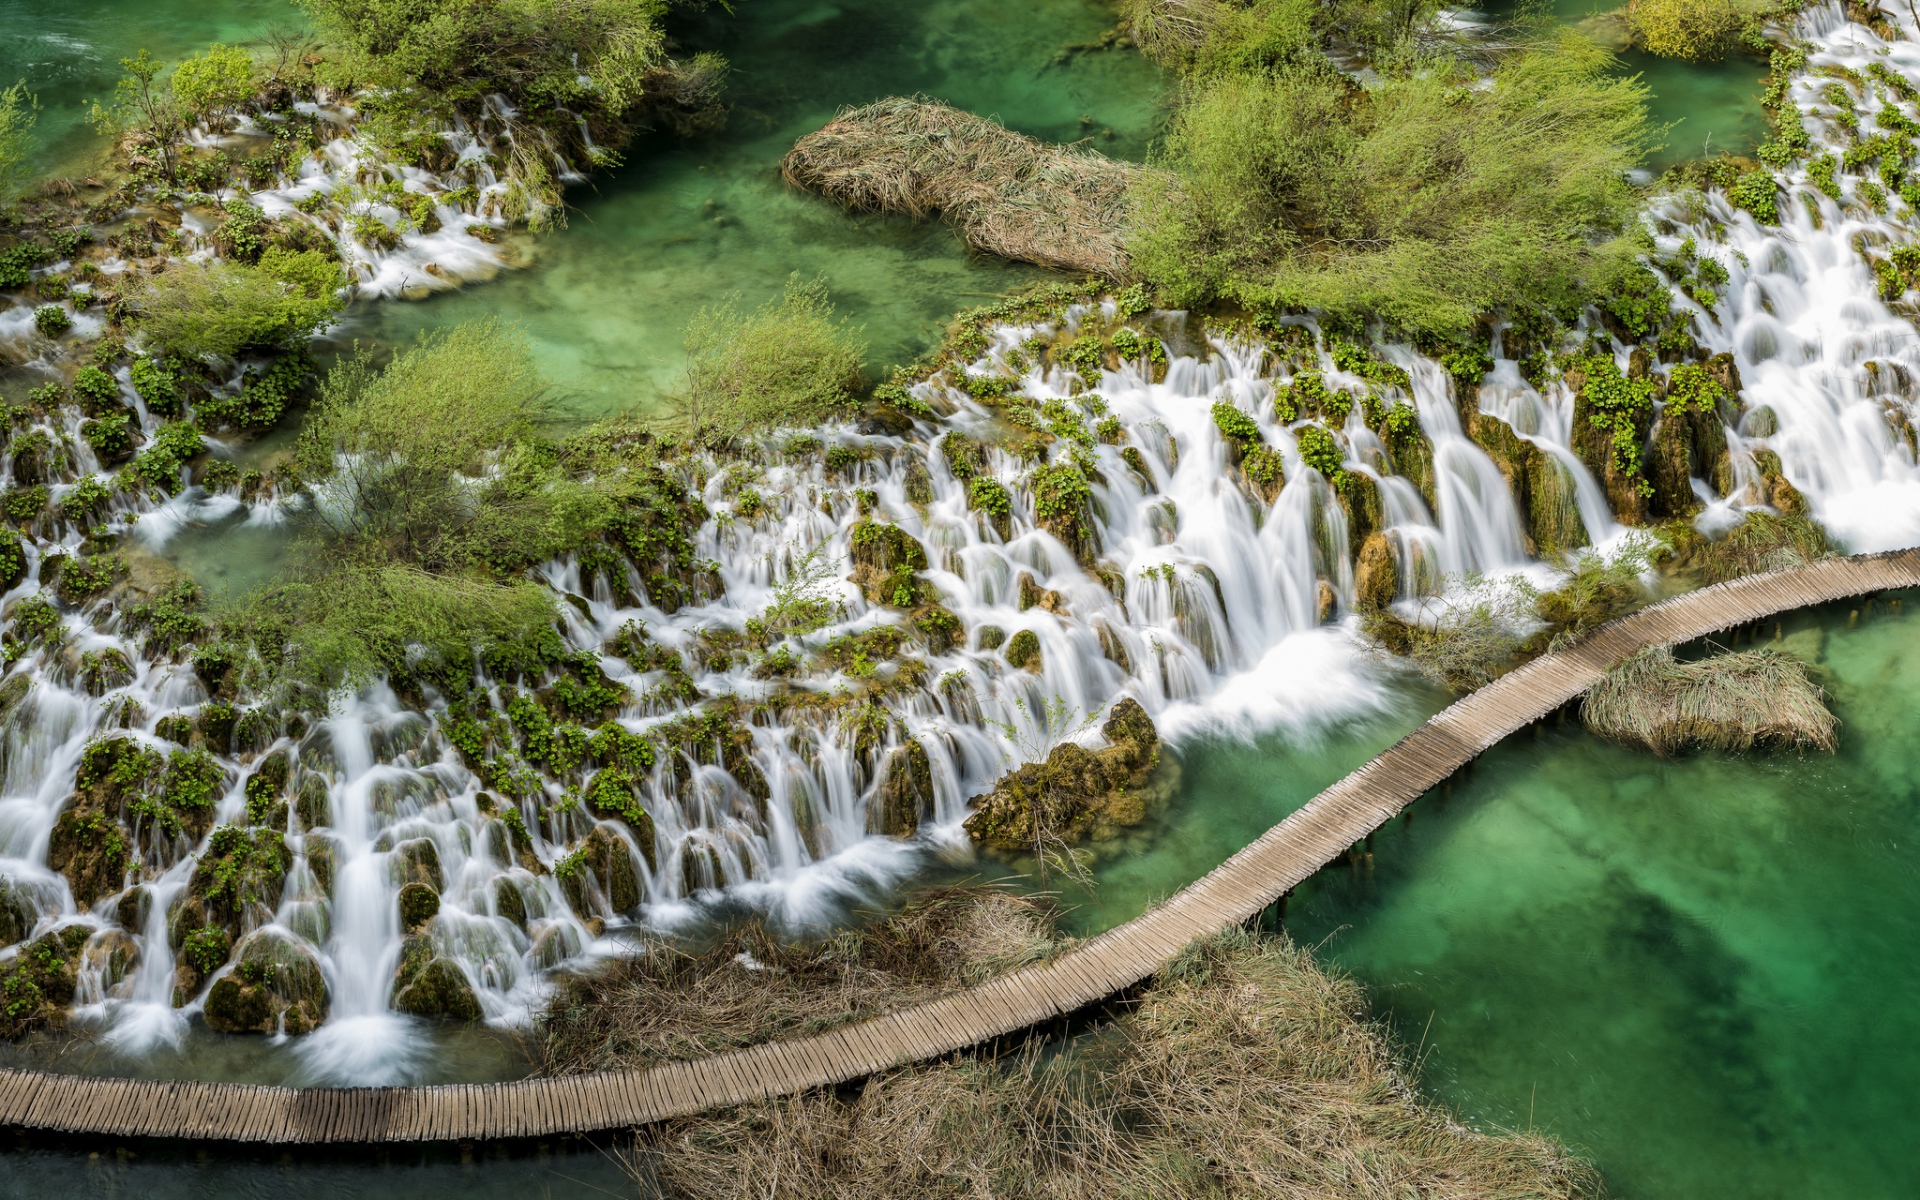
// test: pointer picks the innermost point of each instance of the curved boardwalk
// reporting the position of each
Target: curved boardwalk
(1234, 891)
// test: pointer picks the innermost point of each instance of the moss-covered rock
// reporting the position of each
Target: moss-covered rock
(1023, 651)
(508, 902)
(906, 792)
(323, 858)
(1376, 575)
(275, 984)
(36, 986)
(615, 794)
(266, 790)
(603, 858)
(1543, 488)
(1029, 594)
(238, 880)
(417, 860)
(429, 986)
(885, 560)
(419, 904)
(18, 914)
(1076, 793)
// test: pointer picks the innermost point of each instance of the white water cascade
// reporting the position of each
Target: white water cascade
(1199, 598)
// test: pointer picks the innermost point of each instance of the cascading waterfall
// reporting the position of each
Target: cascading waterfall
(1193, 592)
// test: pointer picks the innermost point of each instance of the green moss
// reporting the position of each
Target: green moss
(1023, 651)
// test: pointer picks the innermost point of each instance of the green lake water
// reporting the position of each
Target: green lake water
(1705, 972)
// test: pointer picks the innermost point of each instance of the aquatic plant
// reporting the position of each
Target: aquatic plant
(1011, 195)
(1732, 701)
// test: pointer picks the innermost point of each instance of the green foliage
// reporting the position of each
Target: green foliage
(988, 495)
(1634, 296)
(1235, 425)
(34, 618)
(1418, 199)
(159, 464)
(17, 263)
(96, 388)
(1319, 450)
(1695, 30)
(1618, 406)
(143, 104)
(263, 397)
(206, 950)
(19, 111)
(218, 77)
(23, 504)
(1691, 389)
(51, 320)
(243, 231)
(787, 362)
(157, 386)
(86, 500)
(222, 309)
(111, 436)
(1060, 491)
(171, 620)
(594, 55)
(1757, 192)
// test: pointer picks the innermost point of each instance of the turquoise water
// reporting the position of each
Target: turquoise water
(1705, 972)
(688, 223)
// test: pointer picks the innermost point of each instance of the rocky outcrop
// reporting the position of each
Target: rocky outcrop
(1076, 793)
(1376, 575)
(37, 983)
(603, 859)
(275, 985)
(427, 985)
(885, 560)
(906, 792)
(1542, 486)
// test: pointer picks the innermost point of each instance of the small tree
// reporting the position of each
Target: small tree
(786, 363)
(143, 103)
(19, 110)
(221, 77)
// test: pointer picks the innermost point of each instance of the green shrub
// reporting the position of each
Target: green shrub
(1695, 30)
(159, 464)
(218, 77)
(159, 387)
(219, 310)
(1757, 192)
(96, 389)
(51, 320)
(785, 363)
(1319, 450)
(19, 111)
(1418, 199)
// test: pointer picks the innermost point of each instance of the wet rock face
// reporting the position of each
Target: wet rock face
(906, 794)
(1077, 793)
(604, 860)
(418, 905)
(274, 985)
(427, 985)
(37, 984)
(1376, 576)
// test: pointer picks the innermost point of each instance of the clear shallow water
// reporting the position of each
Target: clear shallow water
(689, 222)
(1702, 972)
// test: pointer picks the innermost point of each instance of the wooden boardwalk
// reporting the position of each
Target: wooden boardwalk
(1233, 892)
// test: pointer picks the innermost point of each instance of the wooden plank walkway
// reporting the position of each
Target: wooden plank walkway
(1236, 890)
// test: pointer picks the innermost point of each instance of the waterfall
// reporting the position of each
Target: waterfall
(1216, 603)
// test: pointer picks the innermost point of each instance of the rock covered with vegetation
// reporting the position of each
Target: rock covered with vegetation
(275, 986)
(1076, 793)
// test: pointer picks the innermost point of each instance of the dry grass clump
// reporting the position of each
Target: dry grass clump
(671, 1002)
(1059, 206)
(1761, 542)
(1243, 1071)
(1729, 702)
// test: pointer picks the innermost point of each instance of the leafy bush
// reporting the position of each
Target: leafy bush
(786, 363)
(51, 320)
(96, 389)
(1420, 199)
(1695, 30)
(219, 310)
(218, 77)
(159, 387)
(1757, 192)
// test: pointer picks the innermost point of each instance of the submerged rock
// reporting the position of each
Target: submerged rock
(275, 985)
(1076, 793)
